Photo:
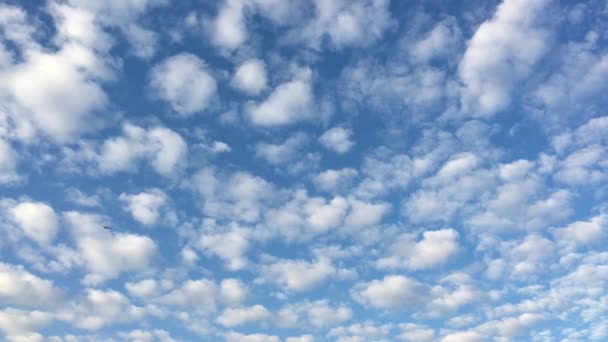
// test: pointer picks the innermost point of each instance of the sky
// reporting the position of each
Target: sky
(305, 170)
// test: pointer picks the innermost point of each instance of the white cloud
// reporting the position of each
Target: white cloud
(233, 291)
(147, 336)
(146, 288)
(228, 30)
(45, 105)
(464, 336)
(37, 220)
(184, 82)
(145, 206)
(303, 338)
(337, 139)
(392, 292)
(101, 308)
(444, 39)
(239, 196)
(583, 233)
(335, 180)
(104, 254)
(237, 337)
(200, 294)
(502, 52)
(323, 216)
(20, 325)
(322, 315)
(345, 23)
(22, 288)
(163, 148)
(277, 154)
(231, 246)
(250, 76)
(364, 214)
(232, 317)
(580, 63)
(290, 102)
(80, 198)
(366, 330)
(435, 248)
(298, 275)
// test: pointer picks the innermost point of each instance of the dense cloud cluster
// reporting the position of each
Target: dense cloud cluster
(301, 171)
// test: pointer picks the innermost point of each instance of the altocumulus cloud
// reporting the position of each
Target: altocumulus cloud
(306, 170)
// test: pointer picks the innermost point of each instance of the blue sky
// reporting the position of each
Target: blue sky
(298, 171)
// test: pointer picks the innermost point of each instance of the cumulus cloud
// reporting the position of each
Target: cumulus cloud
(34, 104)
(106, 255)
(392, 292)
(281, 153)
(346, 24)
(234, 317)
(18, 287)
(289, 102)
(435, 248)
(335, 180)
(38, 221)
(240, 195)
(230, 245)
(502, 52)
(145, 206)
(337, 139)
(184, 82)
(298, 275)
(250, 77)
(163, 148)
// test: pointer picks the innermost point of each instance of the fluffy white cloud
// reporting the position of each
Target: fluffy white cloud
(501, 53)
(232, 317)
(34, 104)
(104, 254)
(146, 288)
(392, 292)
(290, 102)
(37, 220)
(22, 288)
(321, 314)
(239, 196)
(366, 330)
(233, 291)
(184, 82)
(250, 77)
(147, 336)
(200, 293)
(100, 308)
(584, 233)
(163, 148)
(364, 213)
(228, 29)
(80, 198)
(237, 337)
(345, 23)
(444, 39)
(230, 246)
(435, 248)
(337, 139)
(335, 180)
(580, 63)
(20, 325)
(298, 275)
(277, 154)
(145, 206)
